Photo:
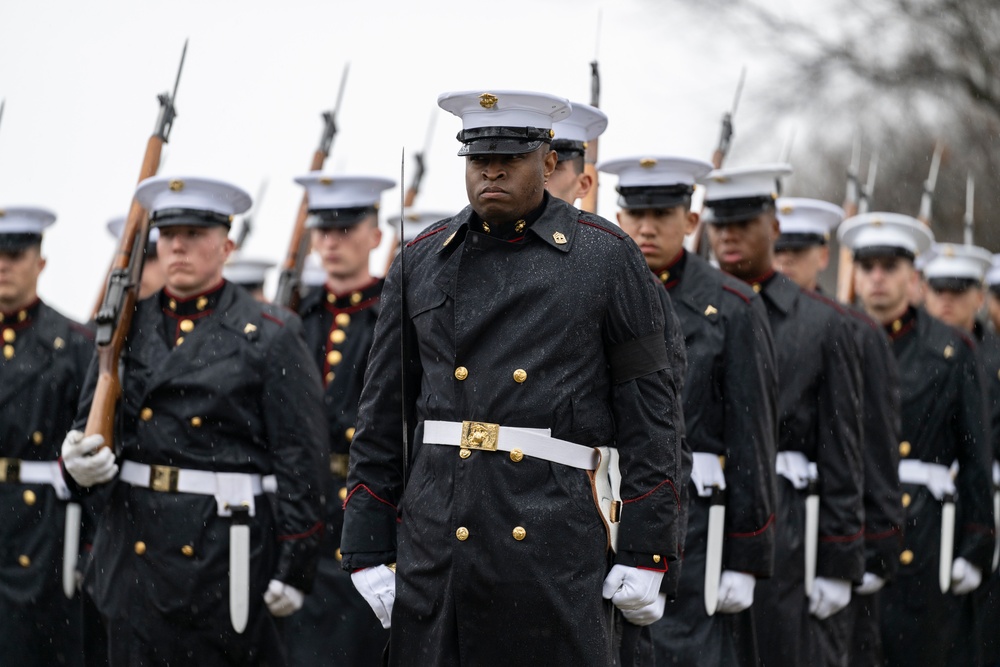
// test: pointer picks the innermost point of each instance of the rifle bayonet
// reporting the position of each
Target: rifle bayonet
(247, 225)
(168, 112)
(970, 197)
(726, 135)
(864, 202)
(928, 196)
(330, 117)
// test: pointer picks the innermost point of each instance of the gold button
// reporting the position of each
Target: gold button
(330, 298)
(146, 414)
(342, 494)
(172, 304)
(904, 448)
(462, 534)
(37, 437)
(906, 557)
(665, 276)
(187, 550)
(519, 533)
(464, 453)
(29, 497)
(338, 336)
(756, 287)
(202, 303)
(516, 455)
(9, 336)
(339, 556)
(140, 548)
(656, 558)
(8, 351)
(334, 357)
(461, 373)
(23, 560)
(187, 326)
(897, 325)
(179, 341)
(356, 298)
(329, 377)
(520, 375)
(349, 433)
(342, 320)
(907, 500)
(196, 421)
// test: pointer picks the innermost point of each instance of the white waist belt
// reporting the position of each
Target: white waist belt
(230, 489)
(536, 443)
(707, 473)
(34, 472)
(936, 477)
(796, 468)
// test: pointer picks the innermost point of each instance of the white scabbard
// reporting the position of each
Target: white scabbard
(947, 542)
(239, 571)
(71, 548)
(607, 483)
(713, 551)
(996, 527)
(811, 536)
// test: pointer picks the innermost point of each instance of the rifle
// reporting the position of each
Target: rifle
(865, 197)
(845, 265)
(970, 197)
(927, 197)
(114, 317)
(290, 278)
(589, 202)
(718, 158)
(247, 224)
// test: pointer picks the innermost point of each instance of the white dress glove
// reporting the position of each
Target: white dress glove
(965, 577)
(870, 583)
(282, 599)
(630, 588)
(735, 591)
(377, 586)
(649, 614)
(829, 596)
(86, 461)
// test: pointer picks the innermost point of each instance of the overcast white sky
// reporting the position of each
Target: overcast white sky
(81, 78)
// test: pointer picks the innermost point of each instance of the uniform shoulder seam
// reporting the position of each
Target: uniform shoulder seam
(735, 291)
(427, 235)
(595, 225)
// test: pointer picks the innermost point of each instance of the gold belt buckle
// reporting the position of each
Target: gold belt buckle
(10, 470)
(480, 435)
(163, 478)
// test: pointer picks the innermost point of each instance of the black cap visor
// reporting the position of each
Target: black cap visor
(502, 140)
(568, 150)
(637, 198)
(176, 217)
(882, 251)
(730, 211)
(339, 218)
(798, 241)
(18, 242)
(952, 284)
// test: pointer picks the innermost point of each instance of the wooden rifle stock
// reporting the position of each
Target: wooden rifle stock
(589, 202)
(298, 248)
(845, 263)
(114, 317)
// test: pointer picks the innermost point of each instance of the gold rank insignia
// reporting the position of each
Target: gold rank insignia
(249, 328)
(488, 100)
(711, 310)
(559, 238)
(949, 351)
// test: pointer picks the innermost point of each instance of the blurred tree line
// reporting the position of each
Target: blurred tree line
(902, 74)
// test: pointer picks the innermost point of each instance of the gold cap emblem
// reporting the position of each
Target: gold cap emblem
(325, 180)
(559, 238)
(647, 162)
(786, 209)
(488, 100)
(720, 179)
(176, 185)
(949, 251)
